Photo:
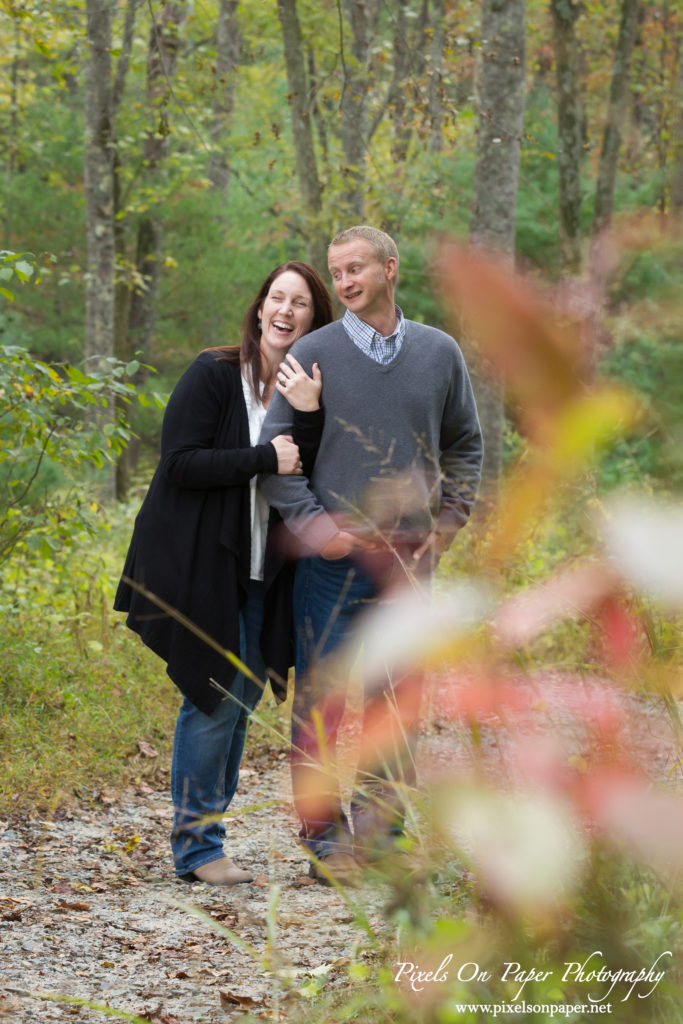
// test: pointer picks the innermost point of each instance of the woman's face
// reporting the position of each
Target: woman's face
(286, 312)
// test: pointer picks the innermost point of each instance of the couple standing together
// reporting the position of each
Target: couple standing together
(364, 439)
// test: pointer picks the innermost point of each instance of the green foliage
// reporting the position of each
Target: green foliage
(653, 367)
(57, 425)
(646, 355)
(76, 693)
(537, 232)
(19, 267)
(650, 275)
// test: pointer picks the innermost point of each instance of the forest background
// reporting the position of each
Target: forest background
(158, 159)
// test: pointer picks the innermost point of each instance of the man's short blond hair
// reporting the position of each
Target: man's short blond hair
(383, 245)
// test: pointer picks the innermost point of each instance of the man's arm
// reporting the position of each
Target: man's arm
(462, 451)
(298, 505)
(308, 428)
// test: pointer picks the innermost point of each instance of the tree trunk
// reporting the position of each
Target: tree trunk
(136, 293)
(122, 286)
(408, 55)
(402, 52)
(618, 95)
(316, 111)
(14, 162)
(162, 56)
(302, 128)
(494, 201)
(564, 15)
(123, 63)
(227, 47)
(435, 71)
(99, 187)
(676, 190)
(99, 198)
(122, 293)
(354, 93)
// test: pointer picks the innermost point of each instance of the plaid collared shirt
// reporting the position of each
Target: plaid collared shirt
(368, 340)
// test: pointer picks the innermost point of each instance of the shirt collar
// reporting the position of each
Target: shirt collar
(363, 334)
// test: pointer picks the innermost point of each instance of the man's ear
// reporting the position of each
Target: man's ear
(390, 268)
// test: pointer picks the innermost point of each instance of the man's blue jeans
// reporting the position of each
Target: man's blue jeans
(207, 751)
(329, 596)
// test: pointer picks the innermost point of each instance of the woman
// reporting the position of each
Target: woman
(201, 576)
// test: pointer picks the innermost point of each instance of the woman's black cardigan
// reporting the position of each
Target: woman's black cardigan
(191, 542)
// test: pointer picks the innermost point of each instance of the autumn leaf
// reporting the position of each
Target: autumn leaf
(233, 999)
(147, 749)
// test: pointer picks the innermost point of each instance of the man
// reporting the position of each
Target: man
(395, 476)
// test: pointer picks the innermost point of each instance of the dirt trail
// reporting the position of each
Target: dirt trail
(89, 909)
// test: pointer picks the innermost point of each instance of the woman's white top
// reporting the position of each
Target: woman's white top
(256, 412)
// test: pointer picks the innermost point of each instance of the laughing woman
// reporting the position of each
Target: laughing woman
(202, 575)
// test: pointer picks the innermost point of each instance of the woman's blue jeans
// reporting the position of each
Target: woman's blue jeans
(207, 751)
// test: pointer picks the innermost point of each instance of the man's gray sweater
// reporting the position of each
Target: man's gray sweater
(401, 446)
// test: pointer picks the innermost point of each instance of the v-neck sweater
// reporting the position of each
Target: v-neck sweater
(401, 448)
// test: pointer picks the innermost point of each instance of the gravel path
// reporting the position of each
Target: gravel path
(90, 910)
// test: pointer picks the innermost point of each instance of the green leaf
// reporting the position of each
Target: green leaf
(76, 375)
(23, 270)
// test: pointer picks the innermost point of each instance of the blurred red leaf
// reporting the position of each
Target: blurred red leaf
(571, 593)
(518, 331)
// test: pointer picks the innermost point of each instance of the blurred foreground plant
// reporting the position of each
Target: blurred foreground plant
(549, 833)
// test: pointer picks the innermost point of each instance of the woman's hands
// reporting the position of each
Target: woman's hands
(288, 458)
(301, 391)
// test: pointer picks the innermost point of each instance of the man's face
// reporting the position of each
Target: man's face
(361, 282)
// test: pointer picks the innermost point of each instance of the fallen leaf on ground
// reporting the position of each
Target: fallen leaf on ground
(105, 796)
(341, 961)
(159, 1017)
(233, 999)
(77, 905)
(147, 749)
(226, 918)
